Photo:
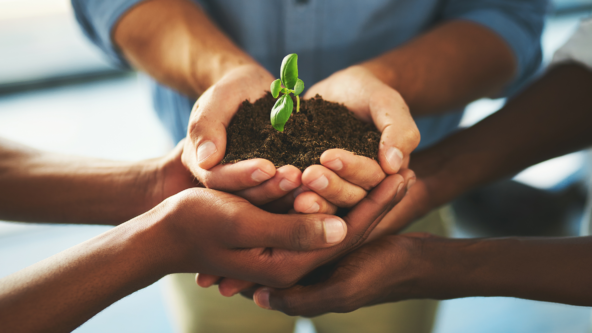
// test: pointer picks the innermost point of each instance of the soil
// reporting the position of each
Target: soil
(320, 125)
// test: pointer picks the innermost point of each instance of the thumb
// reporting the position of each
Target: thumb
(295, 232)
(307, 301)
(206, 137)
(400, 135)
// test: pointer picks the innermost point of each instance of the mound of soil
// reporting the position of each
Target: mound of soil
(320, 125)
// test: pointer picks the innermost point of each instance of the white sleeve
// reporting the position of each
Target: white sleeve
(578, 48)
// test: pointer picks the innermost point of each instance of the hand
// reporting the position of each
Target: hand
(341, 181)
(373, 101)
(386, 270)
(230, 286)
(171, 175)
(206, 136)
(418, 202)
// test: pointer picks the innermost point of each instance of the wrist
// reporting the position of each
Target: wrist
(207, 71)
(150, 236)
(458, 268)
(381, 71)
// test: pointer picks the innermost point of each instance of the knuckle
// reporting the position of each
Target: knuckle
(349, 198)
(289, 306)
(207, 180)
(413, 136)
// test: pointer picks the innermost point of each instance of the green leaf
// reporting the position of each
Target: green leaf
(275, 88)
(289, 70)
(298, 87)
(281, 112)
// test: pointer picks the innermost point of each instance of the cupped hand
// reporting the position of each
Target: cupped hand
(341, 181)
(386, 270)
(371, 100)
(385, 195)
(205, 144)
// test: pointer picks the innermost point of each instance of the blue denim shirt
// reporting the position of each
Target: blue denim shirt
(329, 35)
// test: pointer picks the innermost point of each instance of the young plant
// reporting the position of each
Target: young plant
(291, 85)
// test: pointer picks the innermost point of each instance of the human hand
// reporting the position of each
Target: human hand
(341, 181)
(387, 270)
(206, 136)
(230, 286)
(373, 101)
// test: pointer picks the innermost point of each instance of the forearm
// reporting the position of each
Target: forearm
(45, 187)
(553, 270)
(177, 44)
(549, 119)
(63, 291)
(447, 67)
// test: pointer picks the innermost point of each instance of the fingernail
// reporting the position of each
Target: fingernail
(394, 157)
(334, 230)
(313, 208)
(319, 184)
(410, 183)
(262, 298)
(399, 189)
(205, 150)
(336, 165)
(287, 185)
(259, 176)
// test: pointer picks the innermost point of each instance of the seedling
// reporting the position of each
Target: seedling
(281, 111)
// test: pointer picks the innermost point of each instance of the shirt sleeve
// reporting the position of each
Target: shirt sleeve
(578, 48)
(97, 20)
(518, 22)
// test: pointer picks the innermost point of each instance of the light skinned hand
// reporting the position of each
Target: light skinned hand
(341, 181)
(205, 144)
(373, 101)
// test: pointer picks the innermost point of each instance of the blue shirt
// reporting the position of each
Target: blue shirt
(329, 35)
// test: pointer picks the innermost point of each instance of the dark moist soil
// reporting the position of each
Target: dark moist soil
(320, 125)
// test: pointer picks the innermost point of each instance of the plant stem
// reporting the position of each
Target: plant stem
(297, 104)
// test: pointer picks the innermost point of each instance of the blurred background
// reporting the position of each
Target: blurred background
(58, 94)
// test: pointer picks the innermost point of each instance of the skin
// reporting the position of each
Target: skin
(556, 112)
(98, 191)
(199, 60)
(195, 230)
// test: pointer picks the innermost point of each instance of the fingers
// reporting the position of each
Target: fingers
(295, 232)
(358, 170)
(285, 180)
(370, 211)
(230, 287)
(332, 187)
(282, 205)
(206, 134)
(206, 280)
(307, 301)
(400, 135)
(237, 176)
(205, 144)
(311, 203)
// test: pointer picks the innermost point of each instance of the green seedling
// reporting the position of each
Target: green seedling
(291, 85)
